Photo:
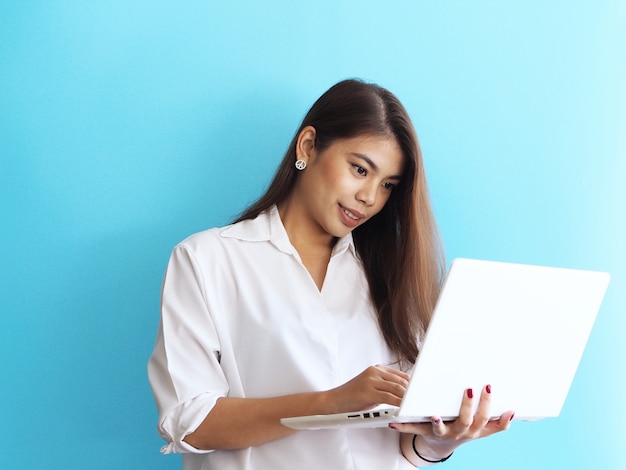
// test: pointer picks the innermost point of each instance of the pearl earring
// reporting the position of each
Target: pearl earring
(300, 164)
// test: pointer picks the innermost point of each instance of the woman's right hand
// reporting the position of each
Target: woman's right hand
(375, 386)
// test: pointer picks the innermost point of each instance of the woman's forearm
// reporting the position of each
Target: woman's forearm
(236, 423)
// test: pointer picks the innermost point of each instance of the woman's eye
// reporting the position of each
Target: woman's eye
(360, 170)
(389, 186)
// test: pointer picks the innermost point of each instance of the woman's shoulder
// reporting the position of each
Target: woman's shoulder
(202, 239)
(246, 230)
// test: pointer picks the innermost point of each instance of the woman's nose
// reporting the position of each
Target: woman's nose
(367, 194)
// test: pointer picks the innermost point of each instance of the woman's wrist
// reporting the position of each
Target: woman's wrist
(420, 453)
(426, 454)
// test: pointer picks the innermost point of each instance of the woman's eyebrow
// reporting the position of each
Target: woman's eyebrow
(373, 165)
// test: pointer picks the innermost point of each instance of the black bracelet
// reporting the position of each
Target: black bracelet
(424, 458)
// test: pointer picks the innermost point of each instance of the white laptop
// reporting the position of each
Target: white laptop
(520, 328)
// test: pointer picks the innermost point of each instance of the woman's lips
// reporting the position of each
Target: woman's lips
(350, 217)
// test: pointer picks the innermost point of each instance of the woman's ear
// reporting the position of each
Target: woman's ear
(305, 145)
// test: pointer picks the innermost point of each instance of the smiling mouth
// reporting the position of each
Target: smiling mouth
(356, 217)
(350, 214)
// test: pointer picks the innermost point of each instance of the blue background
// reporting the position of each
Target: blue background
(127, 125)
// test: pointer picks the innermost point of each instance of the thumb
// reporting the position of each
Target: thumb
(439, 428)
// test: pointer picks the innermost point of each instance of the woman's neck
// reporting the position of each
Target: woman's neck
(304, 234)
(314, 246)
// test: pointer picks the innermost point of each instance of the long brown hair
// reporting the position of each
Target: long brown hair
(400, 247)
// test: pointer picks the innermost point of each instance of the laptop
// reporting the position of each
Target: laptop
(520, 328)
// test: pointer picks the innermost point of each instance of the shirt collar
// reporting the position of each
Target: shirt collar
(269, 227)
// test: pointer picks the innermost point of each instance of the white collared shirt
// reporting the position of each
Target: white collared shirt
(242, 317)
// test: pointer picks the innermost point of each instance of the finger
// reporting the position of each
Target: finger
(438, 426)
(396, 388)
(389, 398)
(505, 420)
(425, 429)
(465, 418)
(392, 374)
(495, 426)
(481, 418)
(393, 386)
(383, 392)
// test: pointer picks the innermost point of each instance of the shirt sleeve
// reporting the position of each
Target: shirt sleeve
(184, 369)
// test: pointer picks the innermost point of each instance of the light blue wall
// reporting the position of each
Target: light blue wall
(127, 125)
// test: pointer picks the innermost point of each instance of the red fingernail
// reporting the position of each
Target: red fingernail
(470, 393)
(436, 420)
(512, 416)
(488, 388)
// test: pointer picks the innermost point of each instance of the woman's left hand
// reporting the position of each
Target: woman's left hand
(436, 440)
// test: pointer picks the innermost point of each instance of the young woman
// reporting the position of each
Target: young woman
(314, 301)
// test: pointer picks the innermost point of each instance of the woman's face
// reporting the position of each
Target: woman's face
(349, 182)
